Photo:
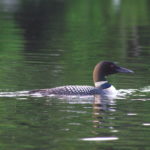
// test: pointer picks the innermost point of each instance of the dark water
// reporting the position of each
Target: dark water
(45, 44)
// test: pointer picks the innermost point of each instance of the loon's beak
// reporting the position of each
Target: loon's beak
(124, 70)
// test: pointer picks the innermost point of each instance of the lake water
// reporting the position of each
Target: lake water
(45, 44)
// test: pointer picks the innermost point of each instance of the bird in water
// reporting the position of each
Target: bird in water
(102, 86)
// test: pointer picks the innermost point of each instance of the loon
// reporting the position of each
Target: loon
(102, 86)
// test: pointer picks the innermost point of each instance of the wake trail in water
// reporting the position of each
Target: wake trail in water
(14, 94)
(122, 94)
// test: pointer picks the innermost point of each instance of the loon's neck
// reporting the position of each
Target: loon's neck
(99, 74)
(100, 83)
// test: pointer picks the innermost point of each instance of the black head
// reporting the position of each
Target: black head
(106, 68)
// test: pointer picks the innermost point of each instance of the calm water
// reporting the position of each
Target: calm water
(45, 44)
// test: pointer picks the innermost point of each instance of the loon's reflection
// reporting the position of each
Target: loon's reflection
(102, 106)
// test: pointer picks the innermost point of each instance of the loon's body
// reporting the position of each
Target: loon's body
(77, 90)
(102, 86)
(68, 90)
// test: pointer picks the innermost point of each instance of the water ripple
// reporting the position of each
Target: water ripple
(100, 139)
(137, 94)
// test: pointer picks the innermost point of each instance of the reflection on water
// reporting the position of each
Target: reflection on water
(100, 139)
(51, 43)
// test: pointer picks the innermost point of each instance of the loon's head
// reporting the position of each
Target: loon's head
(106, 68)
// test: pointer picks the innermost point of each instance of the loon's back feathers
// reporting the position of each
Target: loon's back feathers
(67, 90)
(100, 72)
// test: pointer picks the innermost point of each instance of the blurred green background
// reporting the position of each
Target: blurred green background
(44, 40)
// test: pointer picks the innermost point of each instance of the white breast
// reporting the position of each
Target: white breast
(111, 91)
